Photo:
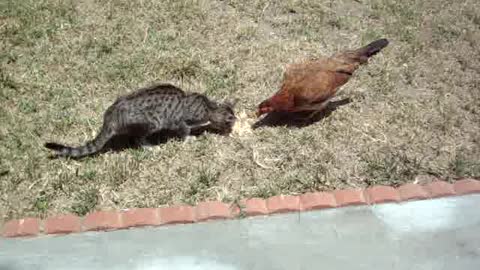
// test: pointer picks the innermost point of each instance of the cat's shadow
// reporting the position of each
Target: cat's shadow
(298, 119)
(123, 142)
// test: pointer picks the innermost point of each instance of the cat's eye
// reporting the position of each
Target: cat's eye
(231, 118)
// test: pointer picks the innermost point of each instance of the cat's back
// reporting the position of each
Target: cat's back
(154, 95)
(159, 91)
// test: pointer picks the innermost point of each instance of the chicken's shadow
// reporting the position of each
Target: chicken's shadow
(298, 119)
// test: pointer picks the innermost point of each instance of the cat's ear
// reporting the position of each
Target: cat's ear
(232, 102)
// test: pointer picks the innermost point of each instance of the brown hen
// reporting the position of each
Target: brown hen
(309, 86)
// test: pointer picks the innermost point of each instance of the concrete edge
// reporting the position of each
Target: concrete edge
(214, 210)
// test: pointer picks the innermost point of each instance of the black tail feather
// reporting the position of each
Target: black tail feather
(374, 47)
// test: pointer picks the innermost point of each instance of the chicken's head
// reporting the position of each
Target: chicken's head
(264, 107)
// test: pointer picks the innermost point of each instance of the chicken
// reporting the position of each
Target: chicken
(310, 86)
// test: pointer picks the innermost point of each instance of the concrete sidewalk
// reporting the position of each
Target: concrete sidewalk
(431, 234)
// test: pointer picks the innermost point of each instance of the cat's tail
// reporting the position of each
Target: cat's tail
(90, 148)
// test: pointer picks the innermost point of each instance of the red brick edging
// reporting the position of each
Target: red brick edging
(211, 210)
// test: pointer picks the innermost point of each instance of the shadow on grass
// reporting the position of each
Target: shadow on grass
(298, 119)
(122, 142)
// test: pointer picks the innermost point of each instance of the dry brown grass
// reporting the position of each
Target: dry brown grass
(415, 110)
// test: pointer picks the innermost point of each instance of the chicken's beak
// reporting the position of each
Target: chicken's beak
(259, 113)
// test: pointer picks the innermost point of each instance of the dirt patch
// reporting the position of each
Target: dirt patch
(414, 113)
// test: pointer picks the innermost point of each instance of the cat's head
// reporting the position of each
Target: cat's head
(222, 117)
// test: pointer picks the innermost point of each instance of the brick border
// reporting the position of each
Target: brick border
(214, 210)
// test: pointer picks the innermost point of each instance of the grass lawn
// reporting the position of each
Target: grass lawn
(415, 113)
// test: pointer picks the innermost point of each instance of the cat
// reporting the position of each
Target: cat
(150, 110)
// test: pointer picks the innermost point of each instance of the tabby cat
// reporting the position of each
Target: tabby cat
(153, 109)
